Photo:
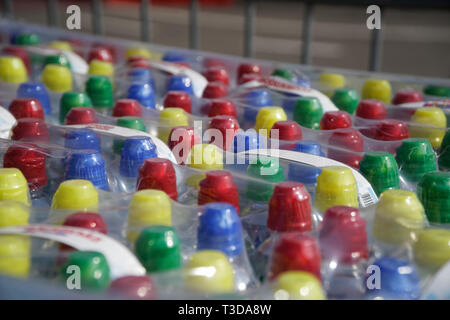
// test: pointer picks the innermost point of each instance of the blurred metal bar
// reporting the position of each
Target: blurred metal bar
(193, 25)
(8, 9)
(145, 21)
(52, 13)
(376, 46)
(250, 11)
(97, 16)
(307, 33)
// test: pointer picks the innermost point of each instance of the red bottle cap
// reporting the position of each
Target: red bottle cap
(228, 126)
(287, 130)
(86, 220)
(137, 59)
(28, 160)
(249, 77)
(222, 107)
(158, 173)
(371, 109)
(127, 108)
(26, 108)
(290, 208)
(133, 288)
(178, 99)
(246, 68)
(391, 130)
(407, 96)
(335, 120)
(181, 140)
(217, 73)
(294, 251)
(81, 115)
(21, 53)
(100, 53)
(215, 90)
(350, 140)
(111, 49)
(343, 235)
(30, 129)
(212, 62)
(218, 186)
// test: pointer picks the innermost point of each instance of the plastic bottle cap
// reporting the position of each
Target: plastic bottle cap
(76, 195)
(335, 120)
(134, 151)
(81, 115)
(94, 269)
(267, 117)
(86, 220)
(258, 98)
(131, 123)
(371, 109)
(298, 285)
(268, 169)
(215, 90)
(101, 68)
(346, 99)
(158, 249)
(248, 77)
(29, 161)
(127, 107)
(26, 108)
(110, 48)
(148, 207)
(141, 74)
(159, 174)
(381, 170)
(343, 236)
(133, 288)
(398, 215)
(391, 130)
(82, 139)
(87, 165)
(217, 74)
(331, 80)
(377, 89)
(308, 112)
(415, 157)
(13, 213)
(99, 89)
(181, 140)
(429, 116)
(433, 191)
(169, 118)
(57, 78)
(138, 52)
(71, 100)
(28, 39)
(20, 53)
(212, 62)
(58, 59)
(295, 252)
(247, 140)
(38, 91)
(143, 93)
(248, 68)
(407, 96)
(61, 45)
(30, 129)
(351, 141)
(227, 126)
(101, 54)
(180, 83)
(432, 248)
(282, 73)
(287, 130)
(222, 107)
(437, 91)
(336, 186)
(178, 99)
(444, 154)
(12, 70)
(305, 173)
(172, 56)
(15, 255)
(205, 157)
(218, 186)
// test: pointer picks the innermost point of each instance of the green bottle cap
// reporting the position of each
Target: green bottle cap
(308, 112)
(415, 157)
(346, 99)
(283, 73)
(131, 123)
(99, 89)
(158, 249)
(437, 91)
(381, 170)
(434, 193)
(94, 270)
(28, 39)
(71, 100)
(58, 59)
(268, 169)
(444, 153)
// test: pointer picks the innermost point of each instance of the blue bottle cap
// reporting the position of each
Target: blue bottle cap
(172, 56)
(259, 98)
(142, 92)
(38, 91)
(247, 140)
(180, 82)
(87, 166)
(398, 280)
(82, 139)
(135, 150)
(309, 146)
(220, 229)
(302, 172)
(142, 75)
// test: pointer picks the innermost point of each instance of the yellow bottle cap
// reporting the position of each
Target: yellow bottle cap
(209, 271)
(15, 255)
(266, 118)
(398, 216)
(13, 213)
(76, 194)
(330, 82)
(169, 118)
(377, 89)
(205, 157)
(148, 207)
(14, 186)
(101, 68)
(12, 70)
(298, 285)
(432, 249)
(138, 52)
(61, 45)
(432, 116)
(57, 78)
(336, 186)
